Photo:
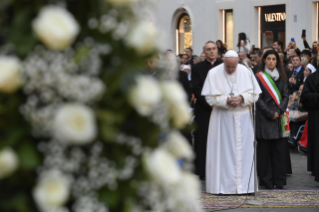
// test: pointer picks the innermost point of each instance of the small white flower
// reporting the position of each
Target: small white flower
(143, 38)
(145, 95)
(122, 3)
(74, 124)
(56, 27)
(10, 70)
(162, 167)
(178, 146)
(175, 97)
(8, 162)
(52, 190)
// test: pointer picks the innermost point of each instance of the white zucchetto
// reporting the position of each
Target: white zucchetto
(231, 53)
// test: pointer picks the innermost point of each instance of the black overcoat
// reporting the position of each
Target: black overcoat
(310, 100)
(266, 127)
(202, 113)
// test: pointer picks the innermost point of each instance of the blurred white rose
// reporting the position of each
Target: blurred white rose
(178, 146)
(74, 124)
(8, 162)
(52, 190)
(176, 99)
(162, 167)
(143, 38)
(56, 27)
(10, 70)
(122, 3)
(181, 114)
(145, 95)
(186, 192)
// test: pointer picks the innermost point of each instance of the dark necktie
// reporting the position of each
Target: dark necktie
(212, 65)
(295, 72)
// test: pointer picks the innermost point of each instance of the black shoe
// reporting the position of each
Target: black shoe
(312, 174)
(292, 143)
(202, 177)
(279, 187)
(269, 187)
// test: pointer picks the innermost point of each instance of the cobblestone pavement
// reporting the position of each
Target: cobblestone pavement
(299, 180)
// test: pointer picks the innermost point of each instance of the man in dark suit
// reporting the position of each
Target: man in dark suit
(296, 76)
(202, 109)
(189, 52)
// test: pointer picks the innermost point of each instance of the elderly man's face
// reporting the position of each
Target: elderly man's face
(230, 64)
(211, 51)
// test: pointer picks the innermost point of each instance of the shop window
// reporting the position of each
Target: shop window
(272, 24)
(184, 34)
(229, 28)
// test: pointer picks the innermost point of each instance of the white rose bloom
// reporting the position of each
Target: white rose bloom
(181, 114)
(175, 97)
(52, 190)
(10, 70)
(74, 124)
(122, 3)
(173, 92)
(143, 38)
(145, 95)
(186, 192)
(8, 162)
(162, 167)
(178, 146)
(56, 27)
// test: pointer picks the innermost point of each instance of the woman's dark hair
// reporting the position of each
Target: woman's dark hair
(278, 65)
(241, 36)
(313, 61)
(222, 47)
(221, 43)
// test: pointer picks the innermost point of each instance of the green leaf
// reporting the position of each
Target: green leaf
(112, 198)
(28, 155)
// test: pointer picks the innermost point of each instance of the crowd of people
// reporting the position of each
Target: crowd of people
(289, 88)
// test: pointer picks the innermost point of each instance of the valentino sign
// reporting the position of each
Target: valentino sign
(272, 17)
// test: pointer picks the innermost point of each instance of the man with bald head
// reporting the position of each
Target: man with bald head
(242, 56)
(230, 89)
(202, 109)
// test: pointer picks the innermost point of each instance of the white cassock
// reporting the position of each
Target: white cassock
(230, 150)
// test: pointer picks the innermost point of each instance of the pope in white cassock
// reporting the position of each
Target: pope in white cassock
(229, 90)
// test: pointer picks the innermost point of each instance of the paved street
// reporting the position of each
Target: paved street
(299, 180)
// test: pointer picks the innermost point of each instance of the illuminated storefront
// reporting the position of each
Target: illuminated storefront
(184, 33)
(228, 31)
(272, 25)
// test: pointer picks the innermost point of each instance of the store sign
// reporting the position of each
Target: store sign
(273, 17)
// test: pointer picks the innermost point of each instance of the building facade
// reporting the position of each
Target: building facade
(190, 23)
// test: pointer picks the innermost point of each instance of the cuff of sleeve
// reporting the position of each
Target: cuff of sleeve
(223, 99)
(245, 97)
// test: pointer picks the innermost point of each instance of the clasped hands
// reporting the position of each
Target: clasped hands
(276, 116)
(235, 101)
(292, 81)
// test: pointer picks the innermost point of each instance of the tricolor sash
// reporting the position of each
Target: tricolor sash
(275, 94)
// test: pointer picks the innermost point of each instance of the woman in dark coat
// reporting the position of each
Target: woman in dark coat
(272, 147)
(310, 100)
(220, 47)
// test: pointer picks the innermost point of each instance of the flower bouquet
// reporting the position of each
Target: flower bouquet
(83, 125)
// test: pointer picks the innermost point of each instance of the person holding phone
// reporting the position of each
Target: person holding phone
(243, 43)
